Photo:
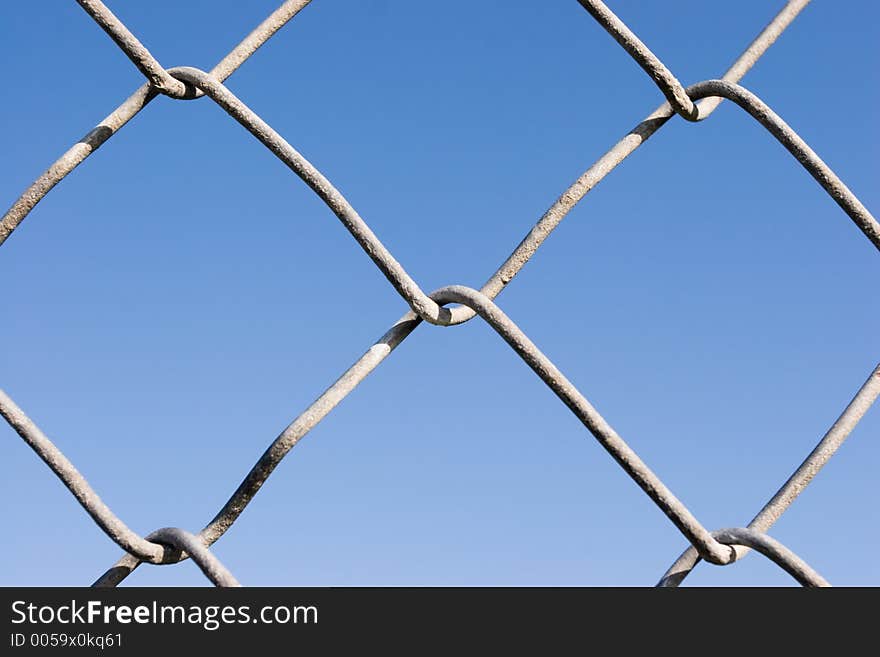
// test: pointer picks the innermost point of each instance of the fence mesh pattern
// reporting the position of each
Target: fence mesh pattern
(695, 103)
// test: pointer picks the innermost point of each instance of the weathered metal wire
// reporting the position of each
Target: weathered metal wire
(114, 121)
(158, 77)
(670, 86)
(773, 550)
(191, 545)
(823, 174)
(798, 481)
(649, 482)
(426, 308)
(115, 528)
(694, 103)
(153, 548)
(394, 271)
(618, 153)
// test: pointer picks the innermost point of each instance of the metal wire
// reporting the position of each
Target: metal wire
(158, 77)
(773, 550)
(186, 543)
(114, 121)
(675, 93)
(798, 481)
(117, 530)
(694, 103)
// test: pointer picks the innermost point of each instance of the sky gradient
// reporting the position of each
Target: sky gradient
(175, 302)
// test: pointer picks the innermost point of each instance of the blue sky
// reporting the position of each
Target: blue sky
(181, 297)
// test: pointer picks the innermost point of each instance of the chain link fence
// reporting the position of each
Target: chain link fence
(694, 103)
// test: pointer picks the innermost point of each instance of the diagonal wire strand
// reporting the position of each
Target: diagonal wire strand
(618, 153)
(79, 487)
(188, 543)
(114, 121)
(156, 75)
(773, 550)
(152, 548)
(170, 545)
(712, 549)
(798, 481)
(670, 86)
(795, 145)
(743, 98)
(383, 347)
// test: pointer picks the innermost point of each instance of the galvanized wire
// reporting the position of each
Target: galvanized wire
(798, 481)
(693, 103)
(158, 77)
(113, 122)
(773, 550)
(115, 528)
(185, 543)
(675, 93)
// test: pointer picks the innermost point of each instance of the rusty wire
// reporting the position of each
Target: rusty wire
(694, 103)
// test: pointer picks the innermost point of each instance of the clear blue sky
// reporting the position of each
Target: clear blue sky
(182, 296)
